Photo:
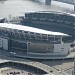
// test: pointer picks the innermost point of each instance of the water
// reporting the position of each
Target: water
(19, 7)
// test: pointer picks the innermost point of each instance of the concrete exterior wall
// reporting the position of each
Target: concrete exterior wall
(40, 48)
(62, 48)
(0, 42)
(58, 49)
(4, 43)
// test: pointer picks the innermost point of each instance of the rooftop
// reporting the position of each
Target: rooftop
(31, 29)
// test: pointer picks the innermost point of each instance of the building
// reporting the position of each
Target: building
(31, 40)
(51, 21)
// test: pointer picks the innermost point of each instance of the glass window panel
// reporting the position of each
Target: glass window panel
(44, 36)
(38, 36)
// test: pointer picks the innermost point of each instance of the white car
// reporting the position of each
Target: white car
(13, 52)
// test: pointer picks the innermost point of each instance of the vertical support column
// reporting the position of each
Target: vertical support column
(35, 36)
(27, 46)
(74, 65)
(54, 38)
(61, 39)
(48, 2)
(47, 36)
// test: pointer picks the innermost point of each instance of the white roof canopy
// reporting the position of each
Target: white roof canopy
(30, 29)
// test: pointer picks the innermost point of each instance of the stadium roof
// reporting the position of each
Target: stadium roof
(55, 12)
(31, 29)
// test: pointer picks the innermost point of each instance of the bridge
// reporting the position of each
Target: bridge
(66, 1)
(48, 2)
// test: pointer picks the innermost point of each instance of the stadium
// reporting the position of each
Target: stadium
(29, 40)
(51, 21)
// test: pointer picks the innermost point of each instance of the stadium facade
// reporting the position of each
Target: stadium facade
(32, 40)
(51, 21)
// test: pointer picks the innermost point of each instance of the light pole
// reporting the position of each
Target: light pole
(74, 66)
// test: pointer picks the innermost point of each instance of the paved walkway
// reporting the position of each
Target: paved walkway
(42, 66)
(38, 56)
